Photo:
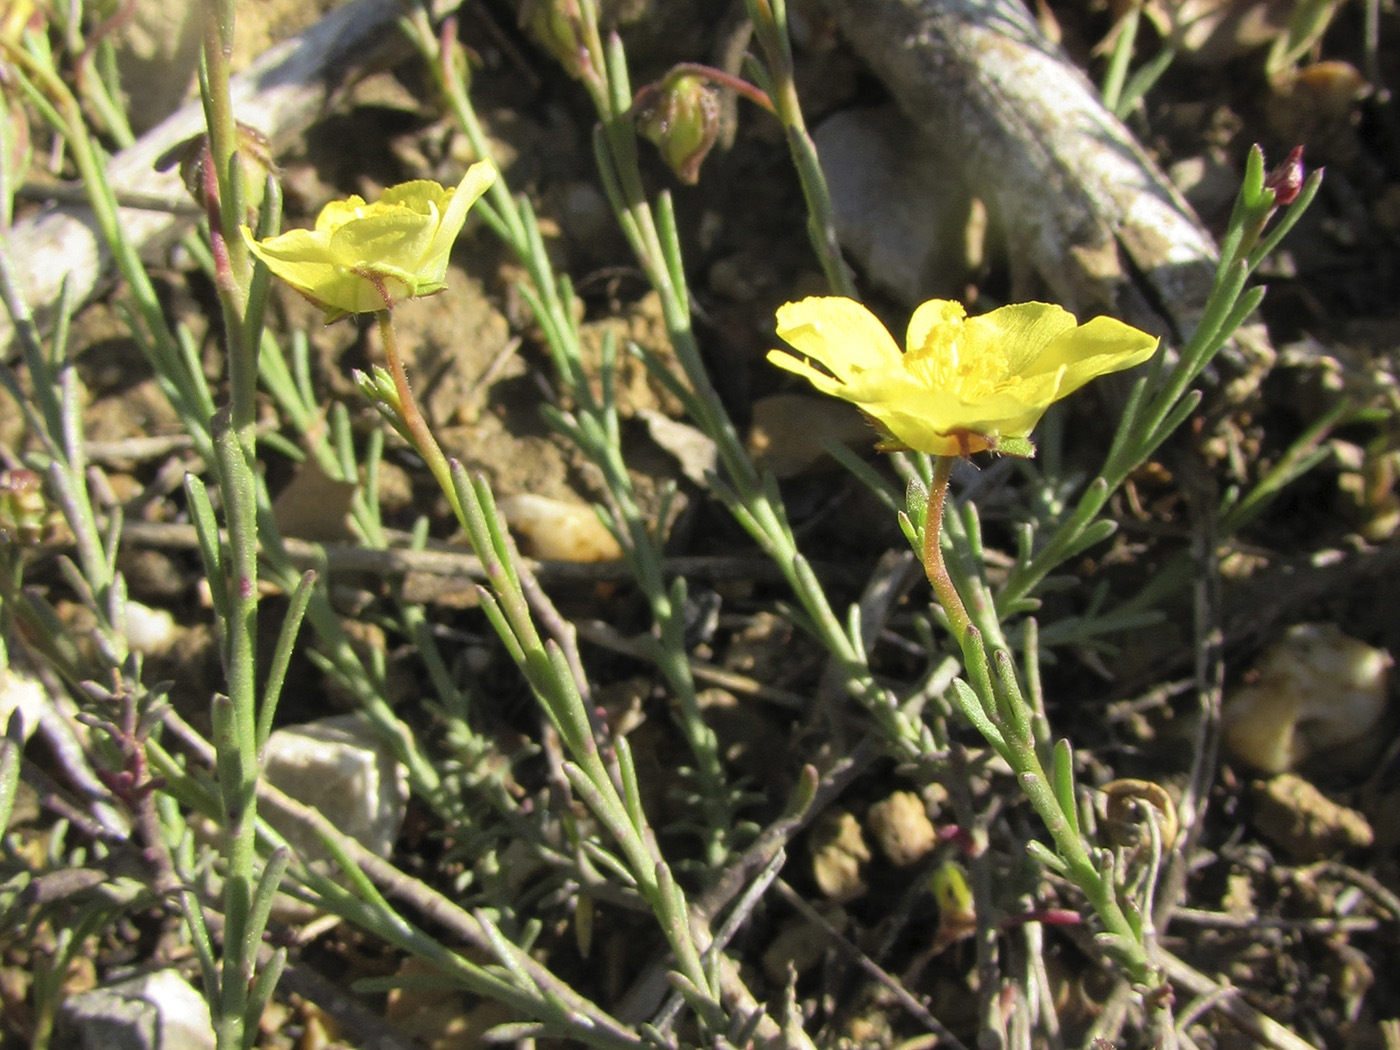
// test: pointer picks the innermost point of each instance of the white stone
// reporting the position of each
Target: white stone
(25, 694)
(158, 1011)
(157, 53)
(1315, 693)
(149, 631)
(340, 767)
(557, 530)
(901, 210)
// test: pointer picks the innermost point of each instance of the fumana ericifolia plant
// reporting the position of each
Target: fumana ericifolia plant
(964, 385)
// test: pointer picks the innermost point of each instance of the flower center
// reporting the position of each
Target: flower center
(953, 359)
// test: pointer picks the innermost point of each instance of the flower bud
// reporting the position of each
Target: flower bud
(254, 153)
(1287, 179)
(681, 115)
(363, 257)
(957, 916)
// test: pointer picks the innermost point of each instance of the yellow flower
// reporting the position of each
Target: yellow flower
(964, 384)
(366, 257)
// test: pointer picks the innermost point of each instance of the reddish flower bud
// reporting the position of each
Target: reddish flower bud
(681, 115)
(254, 153)
(1286, 179)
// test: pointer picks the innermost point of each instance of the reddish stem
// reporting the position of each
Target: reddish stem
(934, 566)
(719, 78)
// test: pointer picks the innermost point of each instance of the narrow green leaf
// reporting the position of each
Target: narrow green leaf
(282, 655)
(1062, 780)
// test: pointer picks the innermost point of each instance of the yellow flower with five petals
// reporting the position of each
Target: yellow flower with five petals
(963, 384)
(362, 258)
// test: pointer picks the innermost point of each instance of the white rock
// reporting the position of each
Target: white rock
(1313, 692)
(25, 694)
(149, 631)
(901, 211)
(553, 530)
(694, 450)
(340, 767)
(157, 52)
(159, 1011)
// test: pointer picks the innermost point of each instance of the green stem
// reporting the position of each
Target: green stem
(770, 26)
(550, 680)
(1126, 939)
(236, 451)
(758, 508)
(223, 136)
(1118, 61)
(593, 428)
(238, 744)
(1011, 719)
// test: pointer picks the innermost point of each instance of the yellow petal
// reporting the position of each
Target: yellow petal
(839, 333)
(797, 366)
(932, 421)
(1093, 349)
(337, 213)
(475, 182)
(423, 196)
(302, 258)
(918, 434)
(1022, 331)
(386, 239)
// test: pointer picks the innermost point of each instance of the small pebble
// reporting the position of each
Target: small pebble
(553, 530)
(157, 1011)
(25, 694)
(149, 631)
(1294, 815)
(902, 829)
(1315, 692)
(342, 768)
(838, 852)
